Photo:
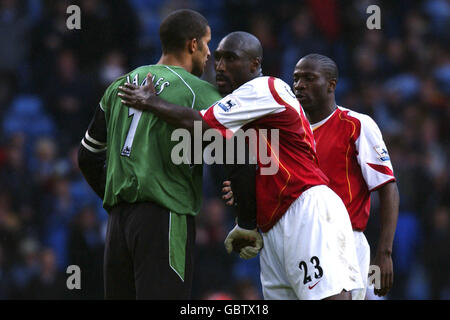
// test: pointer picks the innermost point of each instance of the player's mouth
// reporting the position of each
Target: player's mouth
(301, 97)
(222, 81)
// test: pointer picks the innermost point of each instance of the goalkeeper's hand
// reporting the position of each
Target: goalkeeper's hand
(253, 236)
(227, 194)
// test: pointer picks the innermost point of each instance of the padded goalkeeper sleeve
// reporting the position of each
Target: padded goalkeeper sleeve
(92, 166)
(92, 153)
(243, 178)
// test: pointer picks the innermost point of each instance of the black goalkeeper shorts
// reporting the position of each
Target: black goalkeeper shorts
(148, 253)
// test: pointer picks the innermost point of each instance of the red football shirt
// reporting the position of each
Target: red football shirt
(268, 106)
(354, 157)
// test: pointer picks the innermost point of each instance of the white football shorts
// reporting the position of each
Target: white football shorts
(309, 254)
(363, 255)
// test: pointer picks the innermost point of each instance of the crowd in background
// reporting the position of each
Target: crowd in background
(52, 78)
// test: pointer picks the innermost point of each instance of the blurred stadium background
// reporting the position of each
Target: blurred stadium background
(52, 78)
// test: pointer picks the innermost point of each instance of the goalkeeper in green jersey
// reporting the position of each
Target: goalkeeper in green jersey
(151, 201)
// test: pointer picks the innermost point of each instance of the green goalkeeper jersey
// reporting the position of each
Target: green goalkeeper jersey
(139, 164)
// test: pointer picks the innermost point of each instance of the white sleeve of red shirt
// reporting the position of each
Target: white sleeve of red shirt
(372, 153)
(251, 101)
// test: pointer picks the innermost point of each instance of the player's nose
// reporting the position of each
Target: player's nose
(219, 65)
(299, 85)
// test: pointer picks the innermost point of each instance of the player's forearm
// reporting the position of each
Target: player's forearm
(242, 179)
(389, 204)
(145, 98)
(175, 115)
(92, 166)
(243, 184)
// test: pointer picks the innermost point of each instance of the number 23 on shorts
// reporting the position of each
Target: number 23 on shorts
(318, 271)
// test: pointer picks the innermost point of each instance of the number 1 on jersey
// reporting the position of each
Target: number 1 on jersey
(136, 114)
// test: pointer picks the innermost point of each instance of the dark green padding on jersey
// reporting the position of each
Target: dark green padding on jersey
(139, 163)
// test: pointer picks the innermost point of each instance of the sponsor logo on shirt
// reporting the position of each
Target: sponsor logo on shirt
(383, 155)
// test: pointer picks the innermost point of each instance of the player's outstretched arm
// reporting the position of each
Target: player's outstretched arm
(389, 204)
(145, 98)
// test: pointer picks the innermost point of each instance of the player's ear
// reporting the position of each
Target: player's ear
(332, 85)
(255, 64)
(192, 45)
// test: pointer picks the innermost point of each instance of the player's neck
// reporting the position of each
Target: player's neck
(323, 112)
(176, 60)
(251, 77)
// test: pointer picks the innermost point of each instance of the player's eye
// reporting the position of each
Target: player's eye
(229, 57)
